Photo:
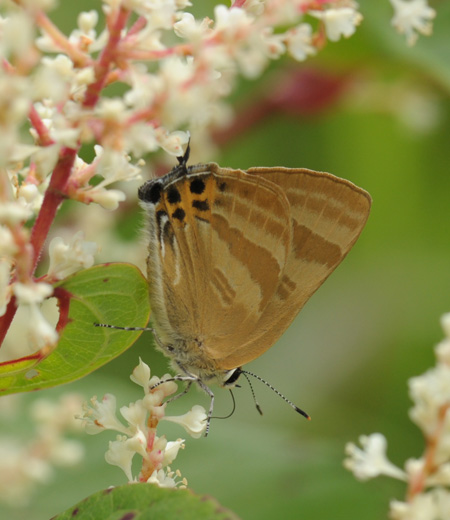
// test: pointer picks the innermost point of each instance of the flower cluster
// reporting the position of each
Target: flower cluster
(23, 466)
(428, 477)
(139, 435)
(412, 17)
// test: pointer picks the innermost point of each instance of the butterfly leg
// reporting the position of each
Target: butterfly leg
(190, 379)
(184, 392)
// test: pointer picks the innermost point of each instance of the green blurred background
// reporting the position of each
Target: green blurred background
(347, 357)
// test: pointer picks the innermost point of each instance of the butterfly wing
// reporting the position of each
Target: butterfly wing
(219, 240)
(327, 217)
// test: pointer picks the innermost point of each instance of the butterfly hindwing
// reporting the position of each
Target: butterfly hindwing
(327, 216)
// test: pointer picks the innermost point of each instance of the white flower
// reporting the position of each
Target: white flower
(14, 212)
(141, 376)
(61, 65)
(432, 505)
(339, 22)
(5, 277)
(108, 199)
(411, 17)
(41, 333)
(112, 109)
(115, 166)
(121, 454)
(8, 246)
(299, 42)
(429, 392)
(135, 414)
(172, 142)
(101, 416)
(194, 421)
(166, 478)
(231, 22)
(171, 451)
(191, 29)
(68, 258)
(371, 461)
(87, 20)
(32, 293)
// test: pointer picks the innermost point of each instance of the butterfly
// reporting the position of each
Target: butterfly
(234, 255)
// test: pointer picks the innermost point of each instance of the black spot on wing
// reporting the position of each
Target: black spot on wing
(197, 186)
(173, 195)
(179, 214)
(201, 205)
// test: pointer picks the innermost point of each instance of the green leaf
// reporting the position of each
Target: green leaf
(114, 294)
(146, 502)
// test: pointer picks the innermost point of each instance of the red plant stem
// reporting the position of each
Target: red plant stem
(417, 486)
(47, 26)
(53, 197)
(41, 129)
(106, 58)
(6, 319)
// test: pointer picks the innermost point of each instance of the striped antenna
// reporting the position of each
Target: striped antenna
(296, 408)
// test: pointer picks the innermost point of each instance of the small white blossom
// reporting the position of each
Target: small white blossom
(194, 421)
(231, 22)
(166, 478)
(135, 415)
(115, 166)
(41, 333)
(120, 455)
(32, 293)
(68, 258)
(14, 212)
(339, 22)
(8, 246)
(429, 392)
(108, 199)
(61, 65)
(100, 416)
(171, 451)
(173, 142)
(141, 376)
(412, 17)
(432, 505)
(299, 42)
(191, 29)
(5, 277)
(87, 20)
(371, 461)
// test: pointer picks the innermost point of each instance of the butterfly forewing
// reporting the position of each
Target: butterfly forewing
(222, 239)
(327, 216)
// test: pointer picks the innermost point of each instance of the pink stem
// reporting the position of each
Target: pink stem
(106, 58)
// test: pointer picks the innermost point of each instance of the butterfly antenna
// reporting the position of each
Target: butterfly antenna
(232, 411)
(253, 392)
(296, 408)
(105, 325)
